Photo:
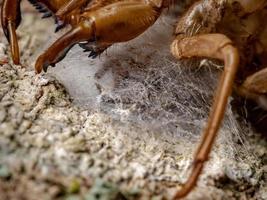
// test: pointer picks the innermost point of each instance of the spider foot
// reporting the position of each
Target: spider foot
(95, 50)
(58, 50)
(191, 182)
(49, 59)
(42, 63)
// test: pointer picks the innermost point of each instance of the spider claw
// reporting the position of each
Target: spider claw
(58, 28)
(60, 25)
(94, 50)
(92, 54)
(41, 64)
(45, 66)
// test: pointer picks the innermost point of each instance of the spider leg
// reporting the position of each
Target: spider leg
(58, 50)
(10, 19)
(62, 15)
(117, 22)
(216, 46)
(257, 82)
(70, 6)
(255, 88)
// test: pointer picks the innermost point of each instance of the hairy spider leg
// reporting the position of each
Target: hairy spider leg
(220, 47)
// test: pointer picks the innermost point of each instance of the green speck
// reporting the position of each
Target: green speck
(4, 172)
(74, 186)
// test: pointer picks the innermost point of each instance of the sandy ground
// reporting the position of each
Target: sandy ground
(121, 132)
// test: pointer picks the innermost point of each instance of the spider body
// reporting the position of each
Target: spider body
(233, 31)
(242, 22)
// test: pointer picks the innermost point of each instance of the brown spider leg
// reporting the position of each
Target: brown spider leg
(216, 46)
(255, 88)
(70, 6)
(257, 82)
(10, 19)
(60, 47)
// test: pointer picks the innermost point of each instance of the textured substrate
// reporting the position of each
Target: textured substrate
(122, 126)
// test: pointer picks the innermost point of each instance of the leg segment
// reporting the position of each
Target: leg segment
(117, 22)
(215, 46)
(60, 47)
(10, 19)
(70, 6)
(255, 88)
(257, 82)
(63, 14)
